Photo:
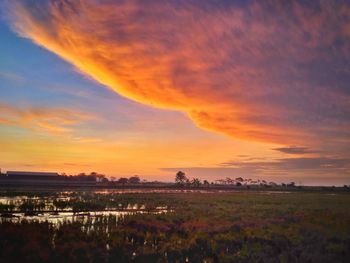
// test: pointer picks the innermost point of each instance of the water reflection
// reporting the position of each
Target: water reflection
(69, 207)
(57, 218)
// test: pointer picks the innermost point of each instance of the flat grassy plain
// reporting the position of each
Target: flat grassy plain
(197, 227)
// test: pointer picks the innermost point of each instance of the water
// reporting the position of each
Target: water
(42, 209)
(70, 217)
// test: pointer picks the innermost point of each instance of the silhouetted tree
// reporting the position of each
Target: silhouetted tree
(100, 177)
(123, 180)
(228, 180)
(180, 178)
(104, 180)
(195, 182)
(134, 180)
(291, 184)
(272, 184)
(239, 180)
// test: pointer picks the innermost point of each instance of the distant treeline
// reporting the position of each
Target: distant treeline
(104, 179)
(181, 180)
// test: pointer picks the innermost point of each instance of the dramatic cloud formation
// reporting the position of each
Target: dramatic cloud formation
(275, 71)
(56, 121)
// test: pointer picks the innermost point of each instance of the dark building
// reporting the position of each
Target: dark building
(25, 178)
(31, 175)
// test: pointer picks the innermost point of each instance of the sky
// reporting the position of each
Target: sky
(258, 89)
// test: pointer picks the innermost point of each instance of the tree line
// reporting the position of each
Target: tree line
(182, 180)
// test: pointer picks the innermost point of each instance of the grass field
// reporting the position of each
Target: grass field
(197, 227)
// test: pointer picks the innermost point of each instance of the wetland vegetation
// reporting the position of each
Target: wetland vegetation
(183, 226)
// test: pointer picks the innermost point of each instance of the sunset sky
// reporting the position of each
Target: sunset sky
(258, 89)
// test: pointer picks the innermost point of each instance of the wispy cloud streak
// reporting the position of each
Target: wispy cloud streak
(52, 120)
(294, 150)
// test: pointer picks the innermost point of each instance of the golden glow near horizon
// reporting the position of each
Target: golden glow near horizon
(268, 92)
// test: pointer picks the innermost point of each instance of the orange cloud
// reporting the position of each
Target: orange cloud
(56, 121)
(261, 71)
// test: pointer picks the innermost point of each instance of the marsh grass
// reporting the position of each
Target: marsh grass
(215, 227)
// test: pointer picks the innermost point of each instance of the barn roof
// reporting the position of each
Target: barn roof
(15, 173)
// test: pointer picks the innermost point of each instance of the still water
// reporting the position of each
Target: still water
(44, 209)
